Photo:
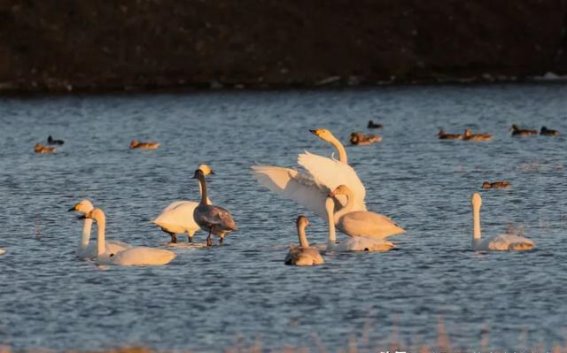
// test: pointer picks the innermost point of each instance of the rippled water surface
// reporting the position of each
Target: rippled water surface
(209, 299)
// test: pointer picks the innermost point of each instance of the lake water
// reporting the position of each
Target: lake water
(241, 293)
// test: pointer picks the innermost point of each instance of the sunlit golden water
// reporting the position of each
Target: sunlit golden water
(207, 298)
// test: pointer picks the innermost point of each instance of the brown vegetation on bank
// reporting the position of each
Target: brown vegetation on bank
(133, 44)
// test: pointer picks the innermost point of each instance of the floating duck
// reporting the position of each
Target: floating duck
(446, 136)
(151, 145)
(469, 136)
(496, 185)
(358, 138)
(548, 132)
(373, 125)
(52, 141)
(516, 131)
(42, 149)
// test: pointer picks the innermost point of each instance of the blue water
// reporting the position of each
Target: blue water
(242, 293)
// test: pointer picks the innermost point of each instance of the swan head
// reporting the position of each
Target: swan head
(323, 134)
(206, 169)
(134, 143)
(97, 214)
(84, 207)
(340, 190)
(468, 132)
(199, 174)
(302, 221)
(486, 185)
(476, 200)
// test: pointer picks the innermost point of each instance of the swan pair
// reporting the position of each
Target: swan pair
(114, 252)
(177, 217)
(312, 190)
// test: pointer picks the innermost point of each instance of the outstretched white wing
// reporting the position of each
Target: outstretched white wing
(330, 173)
(291, 184)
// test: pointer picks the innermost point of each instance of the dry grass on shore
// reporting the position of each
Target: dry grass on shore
(360, 344)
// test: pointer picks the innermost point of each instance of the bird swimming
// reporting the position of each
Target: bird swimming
(442, 135)
(502, 242)
(42, 149)
(150, 145)
(548, 132)
(503, 184)
(52, 141)
(469, 136)
(358, 138)
(516, 131)
(303, 255)
(373, 125)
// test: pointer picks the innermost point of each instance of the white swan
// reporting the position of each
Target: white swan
(303, 255)
(356, 223)
(177, 218)
(215, 219)
(323, 175)
(352, 243)
(2, 251)
(328, 137)
(502, 242)
(87, 250)
(134, 256)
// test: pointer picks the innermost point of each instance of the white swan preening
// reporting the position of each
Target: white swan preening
(216, 220)
(502, 242)
(303, 255)
(177, 217)
(133, 256)
(359, 223)
(87, 250)
(322, 175)
(352, 243)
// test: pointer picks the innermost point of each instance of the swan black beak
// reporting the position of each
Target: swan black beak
(212, 172)
(81, 217)
(314, 132)
(71, 209)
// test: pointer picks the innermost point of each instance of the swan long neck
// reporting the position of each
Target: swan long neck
(348, 207)
(209, 202)
(476, 223)
(101, 242)
(203, 190)
(86, 236)
(301, 235)
(330, 208)
(340, 149)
